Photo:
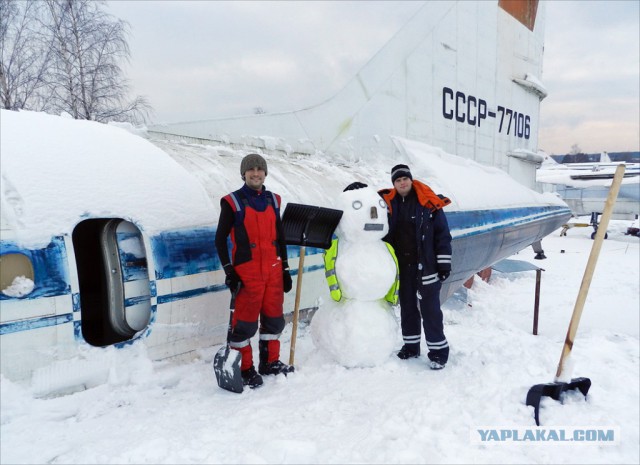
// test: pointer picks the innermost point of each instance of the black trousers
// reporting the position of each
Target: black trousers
(421, 304)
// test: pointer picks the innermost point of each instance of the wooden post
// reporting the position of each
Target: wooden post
(294, 329)
(591, 265)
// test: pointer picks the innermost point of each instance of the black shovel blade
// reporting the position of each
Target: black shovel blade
(554, 390)
(310, 226)
(226, 365)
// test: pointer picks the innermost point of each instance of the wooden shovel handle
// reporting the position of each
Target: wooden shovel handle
(294, 330)
(591, 265)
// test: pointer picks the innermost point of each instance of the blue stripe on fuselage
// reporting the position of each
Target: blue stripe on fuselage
(186, 252)
(181, 253)
(469, 223)
(35, 323)
(40, 322)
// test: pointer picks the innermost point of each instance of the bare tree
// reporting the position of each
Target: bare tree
(87, 80)
(65, 56)
(25, 56)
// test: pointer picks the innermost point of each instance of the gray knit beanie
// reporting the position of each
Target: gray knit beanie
(253, 160)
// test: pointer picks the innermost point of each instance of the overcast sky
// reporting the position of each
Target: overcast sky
(199, 60)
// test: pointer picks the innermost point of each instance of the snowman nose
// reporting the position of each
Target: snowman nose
(374, 213)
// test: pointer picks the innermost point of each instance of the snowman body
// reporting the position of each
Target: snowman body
(360, 330)
(366, 270)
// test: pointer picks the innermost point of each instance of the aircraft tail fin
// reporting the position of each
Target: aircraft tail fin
(463, 76)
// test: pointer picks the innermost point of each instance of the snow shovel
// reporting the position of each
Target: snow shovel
(557, 388)
(226, 363)
(307, 225)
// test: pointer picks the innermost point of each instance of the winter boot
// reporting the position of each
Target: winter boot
(435, 365)
(409, 352)
(251, 378)
(275, 368)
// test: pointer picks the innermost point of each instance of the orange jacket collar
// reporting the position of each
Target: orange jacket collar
(426, 196)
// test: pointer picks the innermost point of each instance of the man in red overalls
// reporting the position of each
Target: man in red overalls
(258, 267)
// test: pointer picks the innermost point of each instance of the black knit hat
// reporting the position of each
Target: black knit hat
(400, 171)
(253, 160)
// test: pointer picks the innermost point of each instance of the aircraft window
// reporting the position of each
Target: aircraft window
(113, 277)
(16, 275)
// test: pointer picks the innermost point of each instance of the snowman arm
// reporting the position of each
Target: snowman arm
(329, 257)
(392, 296)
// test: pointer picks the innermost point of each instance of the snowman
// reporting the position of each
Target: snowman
(357, 328)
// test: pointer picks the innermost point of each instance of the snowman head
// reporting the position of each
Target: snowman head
(364, 215)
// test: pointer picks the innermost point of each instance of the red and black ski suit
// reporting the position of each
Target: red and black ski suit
(259, 254)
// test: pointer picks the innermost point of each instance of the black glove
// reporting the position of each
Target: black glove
(286, 280)
(232, 280)
(443, 275)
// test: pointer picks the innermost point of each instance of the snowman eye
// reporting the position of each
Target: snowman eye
(383, 204)
(357, 205)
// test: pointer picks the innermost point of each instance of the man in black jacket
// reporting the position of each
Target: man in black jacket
(419, 233)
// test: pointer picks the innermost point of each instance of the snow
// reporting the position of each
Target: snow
(19, 287)
(122, 175)
(355, 333)
(465, 181)
(396, 411)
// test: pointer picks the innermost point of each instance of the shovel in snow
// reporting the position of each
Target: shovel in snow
(557, 388)
(226, 363)
(307, 225)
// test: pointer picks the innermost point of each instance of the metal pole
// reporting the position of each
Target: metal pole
(536, 305)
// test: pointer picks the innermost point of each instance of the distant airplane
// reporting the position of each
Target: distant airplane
(585, 186)
(124, 253)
